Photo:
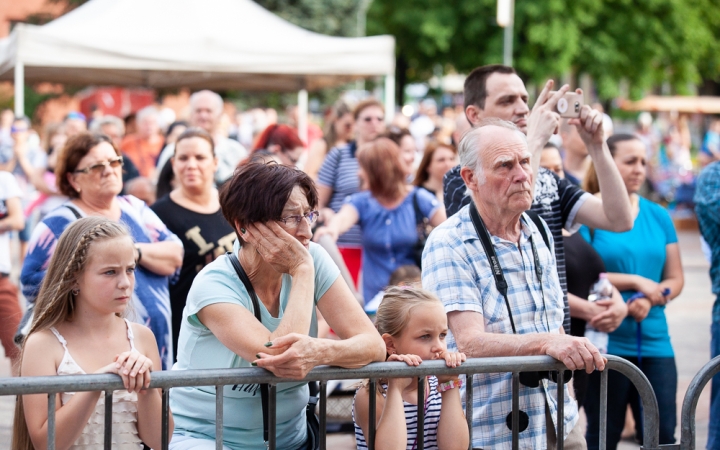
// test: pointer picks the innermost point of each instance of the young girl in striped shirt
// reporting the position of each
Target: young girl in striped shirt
(413, 325)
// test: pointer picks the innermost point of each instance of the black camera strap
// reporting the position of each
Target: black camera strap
(264, 390)
(495, 266)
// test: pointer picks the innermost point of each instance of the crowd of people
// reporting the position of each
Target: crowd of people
(179, 249)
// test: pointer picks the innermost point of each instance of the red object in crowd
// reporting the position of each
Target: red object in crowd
(115, 101)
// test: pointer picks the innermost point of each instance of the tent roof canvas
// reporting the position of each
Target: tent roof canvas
(215, 44)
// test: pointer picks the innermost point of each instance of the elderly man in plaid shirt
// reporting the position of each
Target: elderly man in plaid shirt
(496, 168)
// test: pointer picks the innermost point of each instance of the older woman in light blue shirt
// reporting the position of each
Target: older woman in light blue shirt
(291, 277)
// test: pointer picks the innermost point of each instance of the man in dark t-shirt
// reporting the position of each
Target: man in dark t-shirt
(497, 91)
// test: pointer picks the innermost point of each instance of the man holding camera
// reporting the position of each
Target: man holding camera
(512, 306)
(497, 91)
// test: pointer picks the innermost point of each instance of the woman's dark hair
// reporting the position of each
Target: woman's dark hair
(164, 182)
(172, 126)
(282, 135)
(69, 157)
(258, 192)
(422, 172)
(380, 160)
(590, 182)
(199, 133)
(615, 139)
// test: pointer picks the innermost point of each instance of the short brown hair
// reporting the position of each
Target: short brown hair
(367, 103)
(75, 149)
(196, 132)
(475, 88)
(421, 176)
(258, 192)
(380, 160)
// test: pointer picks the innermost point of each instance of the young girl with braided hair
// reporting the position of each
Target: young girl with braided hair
(413, 324)
(79, 328)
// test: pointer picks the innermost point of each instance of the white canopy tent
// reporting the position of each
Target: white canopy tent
(211, 44)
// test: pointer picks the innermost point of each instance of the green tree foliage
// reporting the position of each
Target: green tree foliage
(644, 42)
(331, 17)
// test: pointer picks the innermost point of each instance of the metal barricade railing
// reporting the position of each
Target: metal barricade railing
(689, 406)
(166, 380)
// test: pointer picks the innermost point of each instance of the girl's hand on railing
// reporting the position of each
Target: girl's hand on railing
(410, 360)
(452, 359)
(133, 367)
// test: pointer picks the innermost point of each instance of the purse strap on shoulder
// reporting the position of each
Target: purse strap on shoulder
(264, 390)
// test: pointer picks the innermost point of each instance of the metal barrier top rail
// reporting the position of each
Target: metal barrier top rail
(222, 377)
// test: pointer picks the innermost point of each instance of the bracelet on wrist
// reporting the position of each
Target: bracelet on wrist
(447, 385)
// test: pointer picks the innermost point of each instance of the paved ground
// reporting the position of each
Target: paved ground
(689, 321)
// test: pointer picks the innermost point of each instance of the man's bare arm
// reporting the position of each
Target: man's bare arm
(468, 328)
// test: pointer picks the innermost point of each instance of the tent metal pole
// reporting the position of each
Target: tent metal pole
(303, 115)
(19, 89)
(389, 97)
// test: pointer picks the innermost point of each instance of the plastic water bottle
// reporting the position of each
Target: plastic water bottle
(601, 290)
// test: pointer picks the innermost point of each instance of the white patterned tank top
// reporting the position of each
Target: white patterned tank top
(433, 402)
(124, 421)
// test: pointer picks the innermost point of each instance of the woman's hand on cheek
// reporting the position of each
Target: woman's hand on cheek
(301, 355)
(281, 250)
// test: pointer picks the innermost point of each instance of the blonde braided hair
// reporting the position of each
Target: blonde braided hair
(56, 303)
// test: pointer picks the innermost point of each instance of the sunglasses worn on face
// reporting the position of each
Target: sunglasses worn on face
(100, 167)
(370, 119)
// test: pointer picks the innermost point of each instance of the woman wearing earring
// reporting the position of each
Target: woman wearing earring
(89, 172)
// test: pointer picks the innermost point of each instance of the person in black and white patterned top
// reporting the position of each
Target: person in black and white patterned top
(497, 91)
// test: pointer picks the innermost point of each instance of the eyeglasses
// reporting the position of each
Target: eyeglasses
(311, 217)
(99, 168)
(371, 118)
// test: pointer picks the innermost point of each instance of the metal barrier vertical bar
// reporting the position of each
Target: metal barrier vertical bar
(108, 420)
(603, 408)
(165, 439)
(420, 436)
(272, 416)
(219, 406)
(323, 415)
(51, 421)
(469, 406)
(515, 410)
(373, 419)
(560, 435)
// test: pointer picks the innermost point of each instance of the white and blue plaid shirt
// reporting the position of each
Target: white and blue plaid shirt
(456, 269)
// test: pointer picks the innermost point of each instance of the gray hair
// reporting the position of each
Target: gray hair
(469, 148)
(97, 124)
(214, 95)
(148, 111)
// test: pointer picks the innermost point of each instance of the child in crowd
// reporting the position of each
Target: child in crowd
(413, 325)
(79, 328)
(406, 275)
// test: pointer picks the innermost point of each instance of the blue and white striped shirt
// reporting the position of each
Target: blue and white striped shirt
(339, 172)
(433, 404)
(456, 269)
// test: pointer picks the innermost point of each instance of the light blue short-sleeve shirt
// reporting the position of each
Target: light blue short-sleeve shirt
(194, 407)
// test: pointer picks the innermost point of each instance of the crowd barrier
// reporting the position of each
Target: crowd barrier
(222, 377)
(689, 406)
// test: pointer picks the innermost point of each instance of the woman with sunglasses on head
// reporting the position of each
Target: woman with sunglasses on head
(89, 172)
(338, 178)
(282, 142)
(192, 212)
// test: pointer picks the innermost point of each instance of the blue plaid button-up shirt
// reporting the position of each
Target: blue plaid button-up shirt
(707, 208)
(456, 269)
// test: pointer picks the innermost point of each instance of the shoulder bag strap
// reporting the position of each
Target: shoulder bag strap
(74, 211)
(264, 394)
(495, 266)
(419, 217)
